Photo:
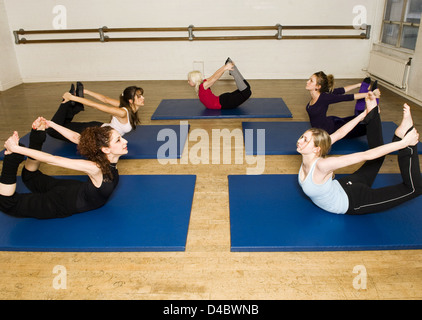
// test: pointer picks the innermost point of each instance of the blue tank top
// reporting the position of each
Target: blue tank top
(329, 196)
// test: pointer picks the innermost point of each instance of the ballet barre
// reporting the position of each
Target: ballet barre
(103, 34)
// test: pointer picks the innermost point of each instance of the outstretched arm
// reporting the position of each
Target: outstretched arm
(349, 126)
(65, 132)
(331, 164)
(371, 103)
(364, 95)
(88, 167)
(352, 87)
(217, 75)
(117, 112)
(102, 98)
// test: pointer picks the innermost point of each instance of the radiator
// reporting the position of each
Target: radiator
(390, 69)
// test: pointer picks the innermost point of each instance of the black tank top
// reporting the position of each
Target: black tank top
(90, 197)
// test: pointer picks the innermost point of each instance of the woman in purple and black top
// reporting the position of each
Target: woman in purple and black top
(321, 89)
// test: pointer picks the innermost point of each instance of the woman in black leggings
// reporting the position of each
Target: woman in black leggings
(124, 112)
(354, 194)
(52, 197)
(228, 100)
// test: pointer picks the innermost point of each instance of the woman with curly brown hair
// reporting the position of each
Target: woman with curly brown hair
(52, 197)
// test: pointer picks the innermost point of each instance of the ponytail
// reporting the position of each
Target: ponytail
(326, 82)
(197, 78)
(129, 94)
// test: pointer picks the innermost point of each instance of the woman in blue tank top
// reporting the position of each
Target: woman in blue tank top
(353, 194)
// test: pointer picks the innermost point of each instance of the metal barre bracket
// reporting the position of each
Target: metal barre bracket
(16, 34)
(279, 34)
(103, 38)
(368, 31)
(190, 32)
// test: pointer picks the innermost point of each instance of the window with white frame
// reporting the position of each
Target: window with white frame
(401, 23)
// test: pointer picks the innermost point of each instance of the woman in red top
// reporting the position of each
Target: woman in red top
(228, 100)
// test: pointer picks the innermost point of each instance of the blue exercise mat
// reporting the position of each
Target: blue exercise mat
(281, 138)
(146, 213)
(270, 213)
(142, 143)
(170, 109)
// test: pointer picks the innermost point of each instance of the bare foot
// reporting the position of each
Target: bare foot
(11, 142)
(67, 97)
(39, 124)
(406, 123)
(371, 101)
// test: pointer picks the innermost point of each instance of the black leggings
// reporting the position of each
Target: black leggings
(231, 100)
(363, 199)
(64, 116)
(358, 131)
(50, 197)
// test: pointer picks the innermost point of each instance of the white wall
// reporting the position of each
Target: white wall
(9, 70)
(269, 59)
(415, 76)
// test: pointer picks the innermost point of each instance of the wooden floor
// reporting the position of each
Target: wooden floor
(207, 269)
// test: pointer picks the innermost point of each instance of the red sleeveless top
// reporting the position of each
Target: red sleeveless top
(208, 99)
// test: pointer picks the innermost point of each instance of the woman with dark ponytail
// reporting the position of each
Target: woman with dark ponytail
(124, 111)
(321, 89)
(52, 197)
